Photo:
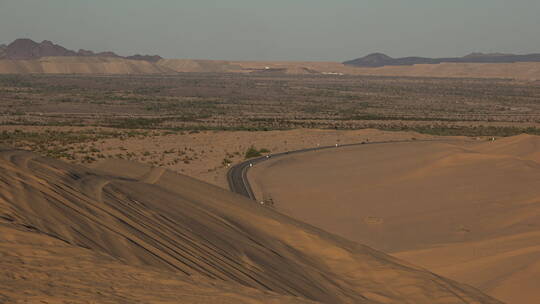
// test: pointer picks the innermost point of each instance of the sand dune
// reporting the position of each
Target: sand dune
(129, 233)
(527, 71)
(506, 267)
(469, 211)
(523, 146)
(38, 268)
(81, 65)
(208, 66)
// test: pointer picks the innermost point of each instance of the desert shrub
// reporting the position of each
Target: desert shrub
(88, 159)
(252, 152)
(226, 162)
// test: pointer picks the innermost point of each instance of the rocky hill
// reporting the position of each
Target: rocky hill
(27, 49)
(380, 60)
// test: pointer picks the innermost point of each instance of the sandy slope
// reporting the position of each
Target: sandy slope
(469, 211)
(209, 66)
(37, 268)
(81, 65)
(68, 232)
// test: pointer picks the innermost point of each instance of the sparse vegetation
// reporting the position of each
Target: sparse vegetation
(226, 162)
(120, 109)
(253, 152)
(198, 102)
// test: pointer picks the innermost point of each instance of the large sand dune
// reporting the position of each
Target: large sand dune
(528, 71)
(130, 233)
(38, 268)
(465, 210)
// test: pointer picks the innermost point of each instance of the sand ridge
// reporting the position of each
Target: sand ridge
(40, 268)
(180, 227)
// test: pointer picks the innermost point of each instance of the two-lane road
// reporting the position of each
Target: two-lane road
(237, 175)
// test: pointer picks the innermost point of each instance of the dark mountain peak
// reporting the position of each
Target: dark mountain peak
(151, 58)
(47, 43)
(88, 53)
(21, 49)
(25, 48)
(371, 60)
(106, 54)
(23, 43)
(379, 60)
(28, 49)
(378, 56)
(83, 52)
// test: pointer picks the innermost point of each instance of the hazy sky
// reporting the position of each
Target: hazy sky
(278, 29)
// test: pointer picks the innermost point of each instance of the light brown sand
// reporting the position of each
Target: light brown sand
(81, 65)
(469, 211)
(36, 268)
(135, 234)
(528, 71)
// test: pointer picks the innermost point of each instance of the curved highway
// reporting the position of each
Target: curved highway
(237, 174)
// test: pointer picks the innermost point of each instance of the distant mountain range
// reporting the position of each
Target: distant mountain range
(25, 49)
(379, 59)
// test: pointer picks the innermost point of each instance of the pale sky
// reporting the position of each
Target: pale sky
(278, 29)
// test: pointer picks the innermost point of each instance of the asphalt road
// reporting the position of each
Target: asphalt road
(237, 174)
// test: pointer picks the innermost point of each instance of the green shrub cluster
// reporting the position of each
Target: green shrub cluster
(253, 152)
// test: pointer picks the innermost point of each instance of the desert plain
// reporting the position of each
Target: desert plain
(113, 183)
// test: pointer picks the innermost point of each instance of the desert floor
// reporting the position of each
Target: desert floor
(465, 209)
(203, 155)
